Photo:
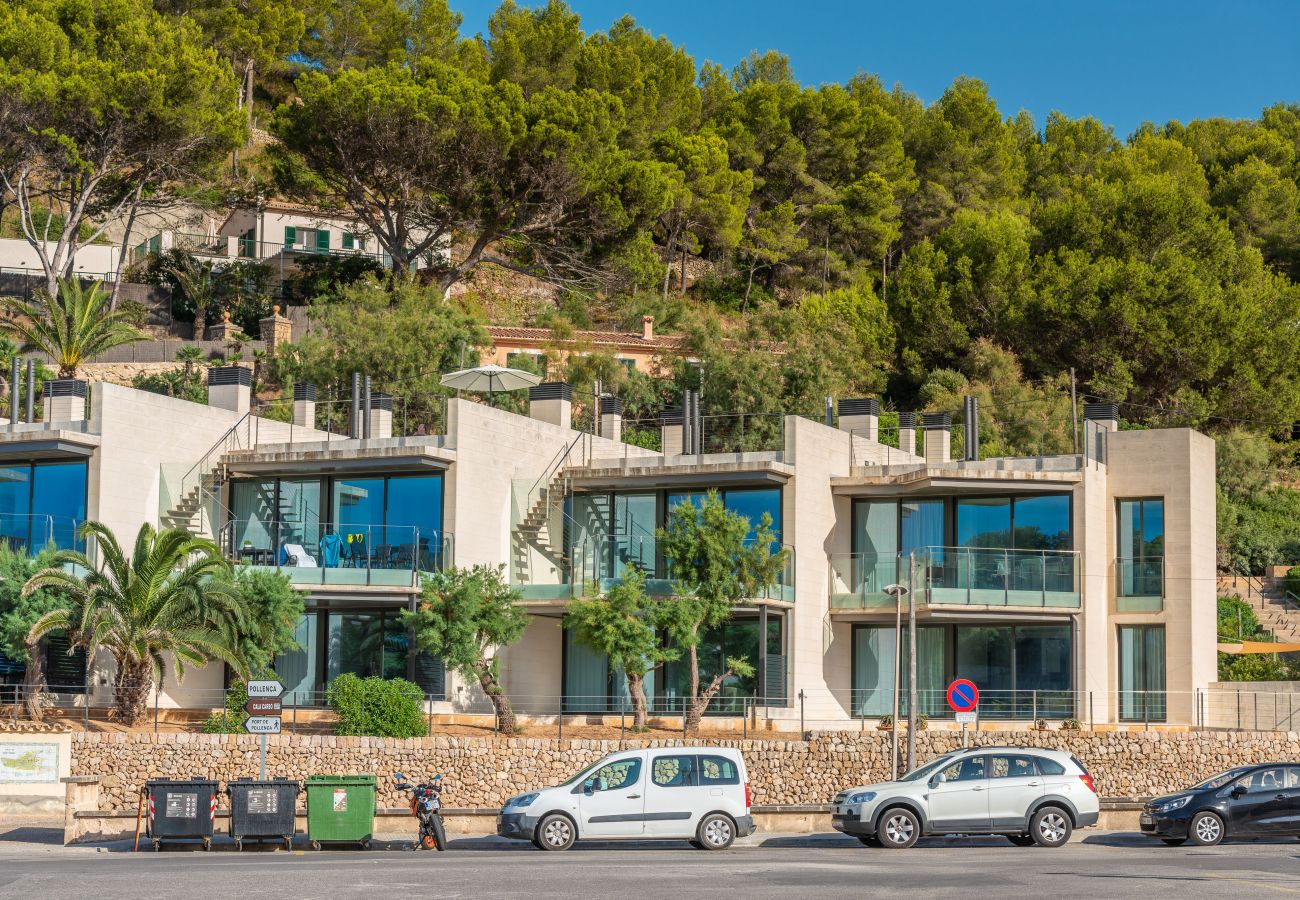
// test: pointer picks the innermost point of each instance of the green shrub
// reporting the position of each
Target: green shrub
(231, 719)
(1292, 581)
(377, 707)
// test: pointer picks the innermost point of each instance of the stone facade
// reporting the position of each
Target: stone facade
(482, 772)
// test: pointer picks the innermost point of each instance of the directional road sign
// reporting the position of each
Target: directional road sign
(262, 724)
(256, 707)
(265, 689)
(963, 696)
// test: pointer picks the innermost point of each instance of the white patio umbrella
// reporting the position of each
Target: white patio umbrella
(490, 378)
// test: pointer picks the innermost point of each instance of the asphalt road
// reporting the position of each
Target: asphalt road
(1094, 865)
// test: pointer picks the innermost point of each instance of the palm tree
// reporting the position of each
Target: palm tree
(202, 283)
(71, 326)
(168, 599)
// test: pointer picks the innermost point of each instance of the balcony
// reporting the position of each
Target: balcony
(599, 564)
(960, 576)
(1139, 584)
(338, 554)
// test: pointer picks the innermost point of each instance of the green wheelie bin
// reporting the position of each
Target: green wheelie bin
(340, 809)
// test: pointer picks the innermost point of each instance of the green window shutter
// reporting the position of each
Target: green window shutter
(290, 235)
(322, 240)
(349, 241)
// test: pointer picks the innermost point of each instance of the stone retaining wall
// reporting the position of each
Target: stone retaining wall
(482, 772)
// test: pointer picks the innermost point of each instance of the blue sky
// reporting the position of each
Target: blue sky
(1123, 62)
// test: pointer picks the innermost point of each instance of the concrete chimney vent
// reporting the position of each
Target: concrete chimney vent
(381, 415)
(65, 400)
(670, 432)
(647, 328)
(304, 405)
(611, 418)
(230, 387)
(862, 417)
(938, 437)
(1103, 415)
(551, 401)
(907, 432)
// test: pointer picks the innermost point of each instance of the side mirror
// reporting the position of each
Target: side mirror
(938, 780)
(1238, 790)
(589, 785)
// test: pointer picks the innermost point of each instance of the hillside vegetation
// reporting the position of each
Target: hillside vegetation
(878, 243)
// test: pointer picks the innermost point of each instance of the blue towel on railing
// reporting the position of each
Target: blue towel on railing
(330, 548)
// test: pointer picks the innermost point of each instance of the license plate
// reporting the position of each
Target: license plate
(1146, 820)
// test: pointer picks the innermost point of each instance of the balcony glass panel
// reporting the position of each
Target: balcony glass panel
(982, 577)
(858, 580)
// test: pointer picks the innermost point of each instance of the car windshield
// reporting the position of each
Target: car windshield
(578, 775)
(924, 771)
(1219, 780)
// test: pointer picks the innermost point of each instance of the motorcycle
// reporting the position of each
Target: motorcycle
(426, 806)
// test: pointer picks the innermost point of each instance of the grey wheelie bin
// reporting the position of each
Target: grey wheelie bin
(182, 809)
(263, 810)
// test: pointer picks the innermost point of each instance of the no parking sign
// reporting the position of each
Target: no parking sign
(963, 696)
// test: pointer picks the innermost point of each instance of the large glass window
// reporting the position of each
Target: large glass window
(922, 525)
(873, 670)
(738, 637)
(42, 503)
(1140, 566)
(15, 505)
(253, 536)
(1021, 670)
(296, 669)
(586, 676)
(415, 513)
(984, 522)
(1042, 522)
(633, 533)
(1142, 673)
(392, 522)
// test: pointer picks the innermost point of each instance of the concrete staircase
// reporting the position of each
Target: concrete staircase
(533, 533)
(1278, 612)
(187, 512)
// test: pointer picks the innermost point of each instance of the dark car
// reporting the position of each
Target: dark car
(1248, 801)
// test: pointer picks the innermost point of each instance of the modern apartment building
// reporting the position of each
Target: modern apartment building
(1076, 586)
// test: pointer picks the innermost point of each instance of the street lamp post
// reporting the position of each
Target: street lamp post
(897, 591)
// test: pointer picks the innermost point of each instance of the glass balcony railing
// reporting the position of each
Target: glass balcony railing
(966, 576)
(30, 533)
(601, 562)
(858, 580)
(974, 576)
(338, 553)
(1139, 584)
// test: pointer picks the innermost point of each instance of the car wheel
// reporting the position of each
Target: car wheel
(1022, 840)
(715, 832)
(898, 829)
(1050, 827)
(1206, 829)
(1174, 842)
(555, 832)
(869, 840)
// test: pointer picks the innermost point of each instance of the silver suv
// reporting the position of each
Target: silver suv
(1032, 796)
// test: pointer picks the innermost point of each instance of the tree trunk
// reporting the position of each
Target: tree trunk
(694, 711)
(700, 702)
(131, 692)
(125, 246)
(200, 323)
(500, 702)
(248, 97)
(636, 687)
(34, 681)
(668, 269)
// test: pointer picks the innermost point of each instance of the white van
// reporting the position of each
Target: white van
(697, 794)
